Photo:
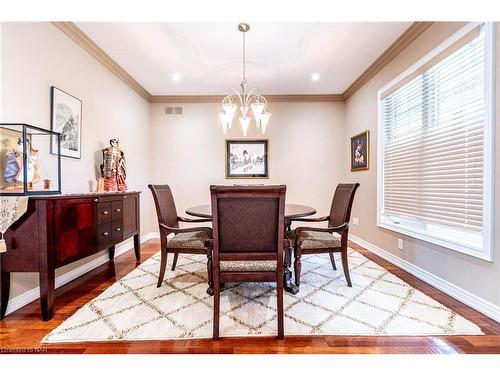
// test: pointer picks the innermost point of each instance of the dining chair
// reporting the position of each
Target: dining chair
(248, 224)
(332, 239)
(194, 240)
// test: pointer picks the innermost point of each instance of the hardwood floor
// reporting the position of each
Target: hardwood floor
(22, 330)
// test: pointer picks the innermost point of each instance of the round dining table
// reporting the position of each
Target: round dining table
(292, 211)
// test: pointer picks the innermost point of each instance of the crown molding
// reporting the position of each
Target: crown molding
(270, 98)
(306, 98)
(77, 35)
(186, 98)
(404, 40)
(80, 38)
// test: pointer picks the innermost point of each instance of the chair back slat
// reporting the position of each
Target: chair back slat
(248, 219)
(340, 211)
(165, 205)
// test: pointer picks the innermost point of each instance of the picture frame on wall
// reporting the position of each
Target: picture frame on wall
(360, 151)
(247, 158)
(66, 119)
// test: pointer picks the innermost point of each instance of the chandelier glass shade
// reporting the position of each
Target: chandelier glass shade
(244, 100)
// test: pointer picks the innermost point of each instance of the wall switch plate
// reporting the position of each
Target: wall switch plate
(355, 221)
(400, 244)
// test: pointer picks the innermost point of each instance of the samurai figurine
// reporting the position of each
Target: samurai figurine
(113, 167)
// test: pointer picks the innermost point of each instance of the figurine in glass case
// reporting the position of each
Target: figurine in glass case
(26, 169)
(113, 167)
(14, 173)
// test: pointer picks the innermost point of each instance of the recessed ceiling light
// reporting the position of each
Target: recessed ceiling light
(315, 76)
(176, 77)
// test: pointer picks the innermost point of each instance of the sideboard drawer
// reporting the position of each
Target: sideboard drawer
(117, 210)
(104, 235)
(117, 231)
(104, 212)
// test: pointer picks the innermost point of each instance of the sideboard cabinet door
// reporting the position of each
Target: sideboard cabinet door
(75, 229)
(130, 214)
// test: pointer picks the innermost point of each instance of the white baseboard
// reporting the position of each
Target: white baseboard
(33, 294)
(478, 303)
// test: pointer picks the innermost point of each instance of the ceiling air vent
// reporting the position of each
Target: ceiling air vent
(173, 110)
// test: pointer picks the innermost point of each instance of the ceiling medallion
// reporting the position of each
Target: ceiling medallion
(245, 100)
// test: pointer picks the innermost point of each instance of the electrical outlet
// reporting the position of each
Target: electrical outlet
(400, 244)
(355, 221)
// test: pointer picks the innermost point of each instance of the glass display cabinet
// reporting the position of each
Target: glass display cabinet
(30, 160)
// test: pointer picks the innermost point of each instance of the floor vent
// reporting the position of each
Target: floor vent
(173, 110)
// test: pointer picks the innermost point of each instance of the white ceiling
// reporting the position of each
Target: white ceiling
(207, 57)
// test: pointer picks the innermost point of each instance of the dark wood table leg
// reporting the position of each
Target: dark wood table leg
(210, 270)
(287, 275)
(111, 252)
(47, 286)
(4, 291)
(137, 247)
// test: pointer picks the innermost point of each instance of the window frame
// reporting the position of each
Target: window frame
(486, 252)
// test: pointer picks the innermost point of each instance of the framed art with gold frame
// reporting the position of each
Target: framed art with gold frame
(247, 158)
(360, 151)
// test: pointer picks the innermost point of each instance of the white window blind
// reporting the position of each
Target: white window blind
(432, 133)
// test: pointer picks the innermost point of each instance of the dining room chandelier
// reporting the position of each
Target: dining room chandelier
(245, 100)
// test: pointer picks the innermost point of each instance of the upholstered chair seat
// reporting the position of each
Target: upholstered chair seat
(248, 265)
(315, 240)
(190, 240)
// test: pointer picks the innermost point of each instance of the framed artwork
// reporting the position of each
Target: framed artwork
(360, 151)
(66, 118)
(247, 158)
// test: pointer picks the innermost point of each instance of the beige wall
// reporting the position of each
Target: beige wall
(36, 56)
(479, 277)
(305, 147)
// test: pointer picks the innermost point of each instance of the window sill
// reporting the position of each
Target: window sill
(484, 254)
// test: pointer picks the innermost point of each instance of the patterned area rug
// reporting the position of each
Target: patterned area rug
(379, 303)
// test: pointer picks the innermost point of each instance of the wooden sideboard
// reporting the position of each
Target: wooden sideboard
(60, 229)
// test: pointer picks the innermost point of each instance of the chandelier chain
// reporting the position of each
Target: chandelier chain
(244, 60)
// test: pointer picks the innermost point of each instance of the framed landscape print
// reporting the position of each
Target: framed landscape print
(360, 151)
(66, 118)
(247, 159)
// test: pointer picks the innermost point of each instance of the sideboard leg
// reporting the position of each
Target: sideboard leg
(47, 286)
(4, 290)
(111, 252)
(137, 247)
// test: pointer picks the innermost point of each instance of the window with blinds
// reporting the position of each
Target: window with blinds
(432, 127)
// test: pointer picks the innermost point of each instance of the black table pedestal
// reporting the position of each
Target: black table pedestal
(289, 286)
